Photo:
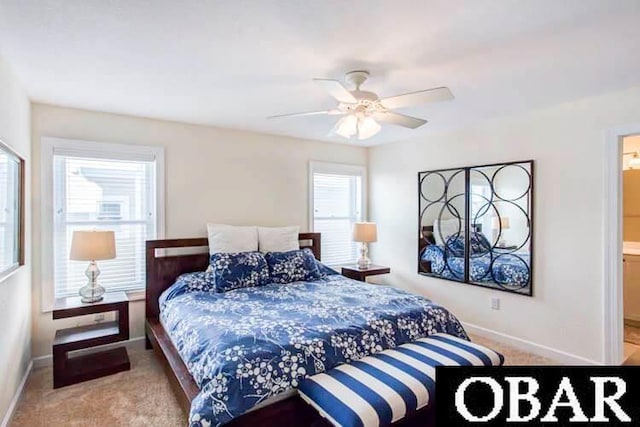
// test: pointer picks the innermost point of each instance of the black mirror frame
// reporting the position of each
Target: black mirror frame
(424, 241)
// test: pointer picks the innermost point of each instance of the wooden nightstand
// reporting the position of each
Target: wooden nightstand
(70, 370)
(356, 273)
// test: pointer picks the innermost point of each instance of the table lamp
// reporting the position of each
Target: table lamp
(364, 232)
(92, 246)
(499, 225)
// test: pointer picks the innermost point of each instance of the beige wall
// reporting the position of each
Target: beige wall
(566, 143)
(211, 175)
(15, 292)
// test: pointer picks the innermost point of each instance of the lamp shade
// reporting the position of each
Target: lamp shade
(93, 245)
(503, 224)
(365, 232)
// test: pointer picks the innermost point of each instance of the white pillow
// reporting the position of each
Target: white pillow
(446, 227)
(278, 239)
(230, 238)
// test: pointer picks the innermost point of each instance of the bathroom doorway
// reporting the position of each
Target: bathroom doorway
(631, 245)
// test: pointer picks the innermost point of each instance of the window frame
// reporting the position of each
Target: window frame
(337, 169)
(20, 237)
(95, 149)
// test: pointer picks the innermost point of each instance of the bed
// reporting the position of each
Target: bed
(502, 267)
(235, 358)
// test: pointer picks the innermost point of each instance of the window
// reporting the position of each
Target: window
(11, 211)
(109, 210)
(481, 212)
(337, 202)
(98, 186)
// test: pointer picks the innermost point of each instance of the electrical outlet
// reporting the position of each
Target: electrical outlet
(99, 318)
(495, 303)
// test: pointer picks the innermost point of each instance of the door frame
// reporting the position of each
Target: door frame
(613, 310)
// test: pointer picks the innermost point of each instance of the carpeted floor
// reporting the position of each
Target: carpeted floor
(139, 397)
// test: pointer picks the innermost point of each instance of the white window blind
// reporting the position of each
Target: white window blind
(337, 204)
(95, 192)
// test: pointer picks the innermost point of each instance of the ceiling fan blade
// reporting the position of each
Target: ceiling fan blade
(309, 113)
(399, 119)
(416, 98)
(337, 90)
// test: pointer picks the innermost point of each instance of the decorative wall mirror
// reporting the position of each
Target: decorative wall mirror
(476, 225)
(11, 211)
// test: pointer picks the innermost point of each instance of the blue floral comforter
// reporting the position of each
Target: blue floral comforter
(248, 345)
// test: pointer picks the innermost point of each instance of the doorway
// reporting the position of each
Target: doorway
(631, 246)
(612, 278)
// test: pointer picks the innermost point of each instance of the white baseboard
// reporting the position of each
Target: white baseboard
(559, 356)
(633, 317)
(131, 344)
(16, 397)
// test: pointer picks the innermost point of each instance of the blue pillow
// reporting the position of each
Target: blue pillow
(292, 266)
(479, 244)
(239, 270)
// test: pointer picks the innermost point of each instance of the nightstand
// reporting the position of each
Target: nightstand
(506, 248)
(356, 273)
(70, 370)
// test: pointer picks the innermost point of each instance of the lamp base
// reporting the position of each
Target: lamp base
(90, 300)
(363, 262)
(92, 291)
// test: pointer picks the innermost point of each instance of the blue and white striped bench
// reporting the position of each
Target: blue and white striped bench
(381, 389)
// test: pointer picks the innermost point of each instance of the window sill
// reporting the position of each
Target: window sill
(136, 295)
(10, 272)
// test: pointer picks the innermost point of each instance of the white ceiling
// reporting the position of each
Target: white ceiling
(233, 63)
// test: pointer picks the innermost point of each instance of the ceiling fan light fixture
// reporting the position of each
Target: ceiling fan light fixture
(363, 110)
(347, 126)
(367, 127)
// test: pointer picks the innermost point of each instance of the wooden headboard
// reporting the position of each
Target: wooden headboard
(164, 268)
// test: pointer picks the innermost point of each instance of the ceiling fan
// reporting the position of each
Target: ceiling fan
(362, 110)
